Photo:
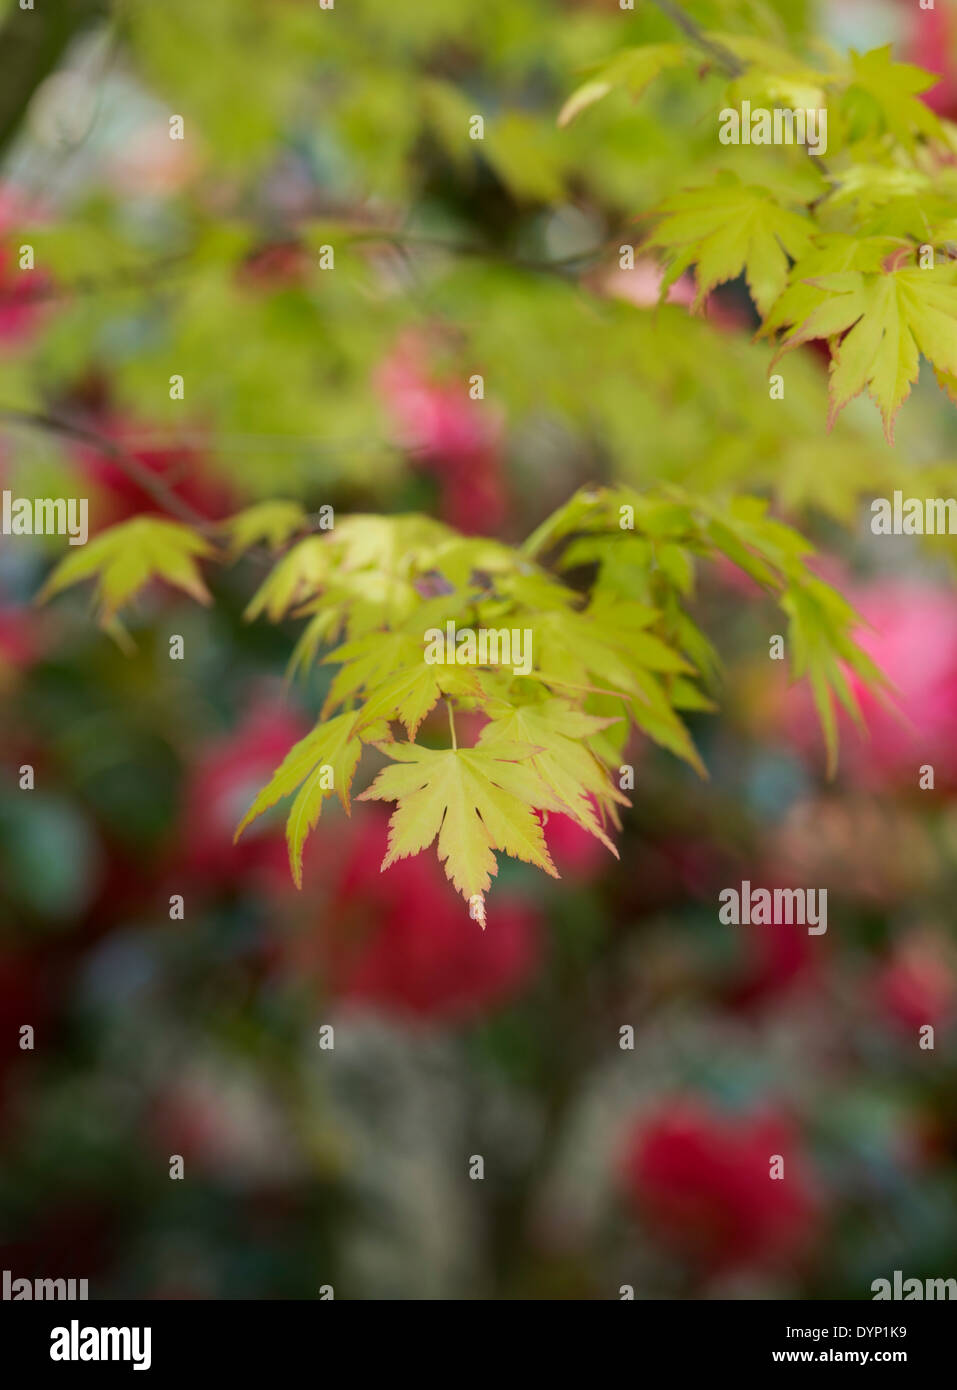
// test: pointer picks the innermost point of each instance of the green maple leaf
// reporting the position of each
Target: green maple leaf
(888, 320)
(335, 746)
(606, 643)
(472, 801)
(410, 694)
(820, 621)
(563, 761)
(367, 661)
(883, 95)
(297, 577)
(391, 669)
(606, 648)
(126, 557)
(390, 543)
(271, 522)
(830, 255)
(726, 229)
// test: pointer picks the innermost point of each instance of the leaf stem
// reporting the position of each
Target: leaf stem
(731, 64)
(448, 706)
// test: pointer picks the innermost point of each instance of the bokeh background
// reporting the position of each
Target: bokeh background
(305, 1167)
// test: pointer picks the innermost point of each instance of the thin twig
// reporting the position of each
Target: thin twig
(728, 60)
(404, 240)
(130, 277)
(136, 471)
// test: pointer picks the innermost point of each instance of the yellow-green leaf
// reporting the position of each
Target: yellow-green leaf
(128, 556)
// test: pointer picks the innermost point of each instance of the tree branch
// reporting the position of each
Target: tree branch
(136, 471)
(132, 277)
(729, 61)
(731, 64)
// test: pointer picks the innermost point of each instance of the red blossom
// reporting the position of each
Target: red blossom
(223, 783)
(916, 985)
(403, 941)
(575, 853)
(932, 44)
(701, 1180)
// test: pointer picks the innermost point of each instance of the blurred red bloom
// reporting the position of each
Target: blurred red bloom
(575, 853)
(916, 985)
(182, 467)
(454, 438)
(403, 941)
(19, 647)
(222, 785)
(276, 265)
(777, 958)
(701, 1180)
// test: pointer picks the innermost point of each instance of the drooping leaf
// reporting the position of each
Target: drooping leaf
(321, 763)
(563, 761)
(271, 522)
(127, 556)
(298, 576)
(632, 70)
(730, 228)
(471, 800)
(887, 321)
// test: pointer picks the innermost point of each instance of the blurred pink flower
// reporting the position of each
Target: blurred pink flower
(23, 299)
(642, 286)
(701, 1180)
(182, 465)
(456, 439)
(931, 43)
